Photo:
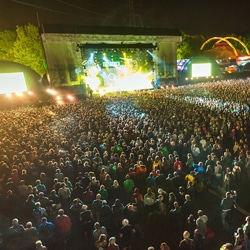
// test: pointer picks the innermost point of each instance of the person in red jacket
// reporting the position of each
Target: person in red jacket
(63, 227)
(178, 166)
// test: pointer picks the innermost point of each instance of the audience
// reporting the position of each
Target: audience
(70, 160)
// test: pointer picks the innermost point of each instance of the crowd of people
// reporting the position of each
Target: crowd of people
(94, 171)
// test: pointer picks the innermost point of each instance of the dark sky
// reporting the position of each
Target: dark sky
(208, 18)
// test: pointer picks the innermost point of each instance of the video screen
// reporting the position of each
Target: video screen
(12, 83)
(201, 69)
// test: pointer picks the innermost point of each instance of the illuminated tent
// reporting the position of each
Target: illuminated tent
(223, 52)
(33, 79)
(227, 56)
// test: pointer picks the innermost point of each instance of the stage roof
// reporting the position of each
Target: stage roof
(74, 33)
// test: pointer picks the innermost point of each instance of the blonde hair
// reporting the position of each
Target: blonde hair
(125, 222)
(186, 235)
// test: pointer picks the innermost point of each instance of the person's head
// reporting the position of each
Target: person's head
(84, 207)
(176, 204)
(38, 182)
(164, 246)
(116, 183)
(151, 248)
(191, 217)
(44, 220)
(41, 194)
(76, 201)
(248, 219)
(186, 235)
(39, 243)
(15, 222)
(197, 232)
(62, 185)
(240, 231)
(29, 224)
(102, 237)
(125, 222)
(97, 225)
(200, 213)
(117, 202)
(60, 212)
(181, 189)
(112, 241)
(37, 204)
(227, 246)
(31, 197)
(187, 197)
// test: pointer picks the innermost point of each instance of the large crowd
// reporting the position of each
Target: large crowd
(94, 171)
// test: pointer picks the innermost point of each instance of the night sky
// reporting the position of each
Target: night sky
(208, 18)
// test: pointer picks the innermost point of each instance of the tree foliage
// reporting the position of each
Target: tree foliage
(190, 46)
(28, 48)
(184, 49)
(7, 40)
(244, 39)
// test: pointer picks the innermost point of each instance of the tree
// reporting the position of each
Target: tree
(184, 48)
(7, 40)
(28, 48)
(190, 46)
(244, 39)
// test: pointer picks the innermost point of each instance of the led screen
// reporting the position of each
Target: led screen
(201, 69)
(12, 83)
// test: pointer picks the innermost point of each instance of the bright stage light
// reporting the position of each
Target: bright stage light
(93, 82)
(12, 83)
(70, 97)
(51, 91)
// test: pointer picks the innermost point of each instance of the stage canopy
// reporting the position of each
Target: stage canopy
(109, 57)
